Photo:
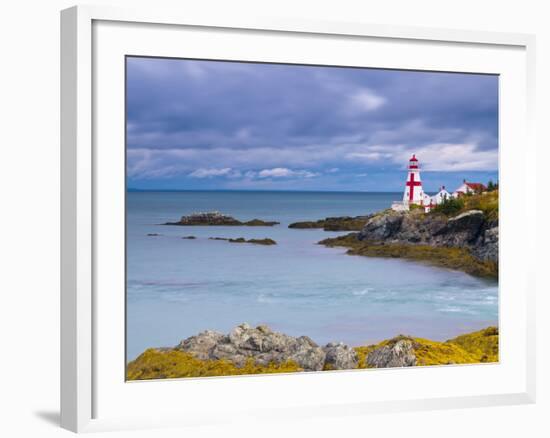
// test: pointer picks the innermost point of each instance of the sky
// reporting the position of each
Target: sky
(212, 125)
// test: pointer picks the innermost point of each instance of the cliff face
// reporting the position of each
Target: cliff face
(470, 230)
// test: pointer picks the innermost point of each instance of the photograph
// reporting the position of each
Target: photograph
(285, 218)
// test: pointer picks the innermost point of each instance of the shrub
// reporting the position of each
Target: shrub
(450, 206)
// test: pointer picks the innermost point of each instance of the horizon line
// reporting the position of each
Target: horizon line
(134, 189)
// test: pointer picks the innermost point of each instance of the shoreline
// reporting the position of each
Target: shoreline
(246, 350)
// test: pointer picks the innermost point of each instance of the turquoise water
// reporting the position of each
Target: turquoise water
(177, 288)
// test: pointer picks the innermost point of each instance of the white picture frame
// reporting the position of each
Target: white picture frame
(92, 392)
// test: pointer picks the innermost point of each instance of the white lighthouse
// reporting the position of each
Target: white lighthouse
(413, 193)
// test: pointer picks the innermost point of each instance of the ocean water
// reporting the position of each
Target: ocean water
(177, 288)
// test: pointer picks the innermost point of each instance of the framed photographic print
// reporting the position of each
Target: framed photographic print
(291, 218)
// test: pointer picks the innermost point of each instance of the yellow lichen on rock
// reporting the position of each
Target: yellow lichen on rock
(477, 347)
(483, 344)
(170, 364)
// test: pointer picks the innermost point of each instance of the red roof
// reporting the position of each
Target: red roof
(476, 186)
(413, 158)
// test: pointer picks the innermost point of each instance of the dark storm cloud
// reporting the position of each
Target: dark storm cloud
(186, 116)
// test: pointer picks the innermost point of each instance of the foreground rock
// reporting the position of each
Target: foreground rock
(265, 241)
(261, 344)
(247, 350)
(339, 357)
(344, 223)
(218, 219)
(398, 354)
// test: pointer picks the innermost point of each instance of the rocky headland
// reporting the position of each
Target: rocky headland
(218, 219)
(248, 350)
(466, 240)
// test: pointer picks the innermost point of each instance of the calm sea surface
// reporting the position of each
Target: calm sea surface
(177, 288)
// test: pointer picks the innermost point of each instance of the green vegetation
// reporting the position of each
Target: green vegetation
(450, 206)
(170, 364)
(477, 347)
(491, 186)
(446, 257)
(487, 202)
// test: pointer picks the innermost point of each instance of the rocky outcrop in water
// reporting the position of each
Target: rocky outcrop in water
(216, 218)
(266, 241)
(344, 223)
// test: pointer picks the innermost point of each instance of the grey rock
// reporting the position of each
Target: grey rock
(381, 227)
(468, 230)
(261, 344)
(340, 357)
(487, 246)
(202, 344)
(463, 229)
(393, 355)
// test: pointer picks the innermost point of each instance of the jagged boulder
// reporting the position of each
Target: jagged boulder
(261, 344)
(462, 230)
(381, 227)
(487, 246)
(340, 357)
(393, 355)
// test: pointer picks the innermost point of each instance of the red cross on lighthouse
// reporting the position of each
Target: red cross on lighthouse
(411, 184)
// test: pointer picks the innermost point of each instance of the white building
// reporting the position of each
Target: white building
(469, 187)
(439, 197)
(414, 193)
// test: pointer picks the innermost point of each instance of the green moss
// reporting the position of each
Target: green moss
(169, 364)
(446, 257)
